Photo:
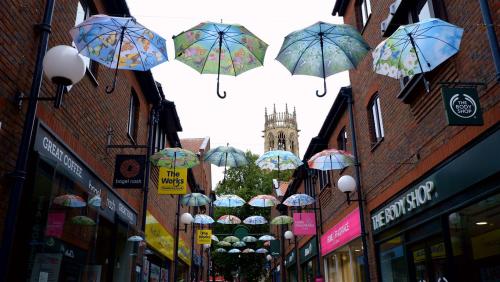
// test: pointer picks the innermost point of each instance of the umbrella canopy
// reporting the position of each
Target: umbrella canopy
(119, 43)
(214, 238)
(231, 239)
(331, 159)
(254, 220)
(224, 244)
(266, 238)
(218, 48)
(195, 200)
(82, 220)
(278, 160)
(417, 48)
(174, 158)
(282, 219)
(226, 156)
(249, 239)
(135, 238)
(220, 250)
(322, 49)
(234, 251)
(70, 200)
(239, 244)
(261, 251)
(203, 219)
(263, 201)
(229, 219)
(247, 251)
(298, 200)
(229, 201)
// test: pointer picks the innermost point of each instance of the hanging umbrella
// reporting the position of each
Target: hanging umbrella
(263, 201)
(278, 160)
(135, 238)
(266, 238)
(282, 219)
(195, 200)
(203, 219)
(229, 219)
(261, 251)
(214, 238)
(239, 244)
(267, 244)
(224, 244)
(417, 48)
(247, 251)
(254, 220)
(234, 251)
(231, 239)
(226, 156)
(119, 43)
(322, 49)
(249, 239)
(298, 200)
(219, 48)
(220, 250)
(82, 220)
(70, 200)
(175, 157)
(229, 201)
(95, 201)
(331, 159)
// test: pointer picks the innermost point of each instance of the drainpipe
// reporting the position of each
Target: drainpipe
(492, 37)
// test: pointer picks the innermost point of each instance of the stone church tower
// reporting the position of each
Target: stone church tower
(281, 132)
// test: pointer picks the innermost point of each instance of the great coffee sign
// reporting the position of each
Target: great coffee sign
(408, 203)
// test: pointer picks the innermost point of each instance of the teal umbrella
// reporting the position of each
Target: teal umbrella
(203, 219)
(322, 49)
(231, 239)
(195, 200)
(226, 156)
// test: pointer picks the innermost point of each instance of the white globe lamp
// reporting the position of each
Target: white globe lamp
(186, 218)
(63, 65)
(288, 235)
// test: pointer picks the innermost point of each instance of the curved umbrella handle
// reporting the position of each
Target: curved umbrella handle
(218, 93)
(111, 88)
(324, 91)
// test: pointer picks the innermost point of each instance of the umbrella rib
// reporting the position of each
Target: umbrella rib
(208, 55)
(300, 57)
(345, 53)
(138, 52)
(351, 37)
(305, 38)
(401, 54)
(96, 37)
(437, 38)
(196, 41)
(230, 56)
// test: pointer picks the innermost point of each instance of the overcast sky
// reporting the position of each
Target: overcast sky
(239, 119)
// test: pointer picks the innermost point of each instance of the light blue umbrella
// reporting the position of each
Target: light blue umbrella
(417, 48)
(229, 201)
(278, 160)
(226, 156)
(234, 251)
(195, 200)
(220, 250)
(254, 220)
(298, 200)
(261, 251)
(266, 238)
(249, 239)
(239, 244)
(203, 219)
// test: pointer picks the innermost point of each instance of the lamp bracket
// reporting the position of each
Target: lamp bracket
(20, 97)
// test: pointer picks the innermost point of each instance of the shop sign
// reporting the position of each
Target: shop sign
(55, 224)
(172, 181)
(308, 251)
(275, 248)
(290, 259)
(204, 236)
(304, 223)
(342, 233)
(409, 202)
(129, 171)
(462, 105)
(158, 237)
(184, 252)
(54, 151)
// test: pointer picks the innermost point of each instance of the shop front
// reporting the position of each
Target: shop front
(446, 226)
(307, 260)
(158, 260)
(73, 226)
(291, 267)
(342, 250)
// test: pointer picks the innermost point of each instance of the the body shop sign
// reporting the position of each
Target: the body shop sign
(462, 106)
(304, 223)
(343, 232)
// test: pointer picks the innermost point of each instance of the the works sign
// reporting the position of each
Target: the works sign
(404, 205)
(462, 106)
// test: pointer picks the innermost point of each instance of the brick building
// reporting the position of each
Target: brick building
(431, 189)
(69, 156)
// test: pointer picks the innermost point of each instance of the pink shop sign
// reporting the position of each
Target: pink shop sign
(343, 232)
(304, 223)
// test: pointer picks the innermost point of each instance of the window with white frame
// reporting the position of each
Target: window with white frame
(376, 124)
(364, 11)
(342, 139)
(83, 12)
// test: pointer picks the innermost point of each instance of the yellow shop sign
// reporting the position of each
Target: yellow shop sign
(172, 181)
(204, 236)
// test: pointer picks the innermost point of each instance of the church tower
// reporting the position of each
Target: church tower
(281, 132)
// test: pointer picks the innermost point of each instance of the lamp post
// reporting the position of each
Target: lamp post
(61, 70)
(289, 235)
(185, 218)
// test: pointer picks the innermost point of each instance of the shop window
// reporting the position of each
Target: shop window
(83, 12)
(133, 116)
(160, 138)
(376, 124)
(364, 10)
(346, 263)
(475, 240)
(342, 140)
(393, 266)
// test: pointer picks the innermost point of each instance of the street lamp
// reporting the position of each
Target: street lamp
(288, 235)
(347, 185)
(186, 218)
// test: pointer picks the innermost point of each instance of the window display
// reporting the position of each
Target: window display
(346, 263)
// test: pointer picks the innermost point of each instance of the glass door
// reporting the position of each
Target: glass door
(428, 261)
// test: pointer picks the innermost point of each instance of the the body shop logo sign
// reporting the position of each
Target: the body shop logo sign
(462, 106)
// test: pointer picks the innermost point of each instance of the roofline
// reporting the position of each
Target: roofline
(340, 7)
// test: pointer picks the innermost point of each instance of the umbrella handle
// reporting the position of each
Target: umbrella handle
(323, 64)
(221, 36)
(111, 88)
(218, 93)
(324, 91)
